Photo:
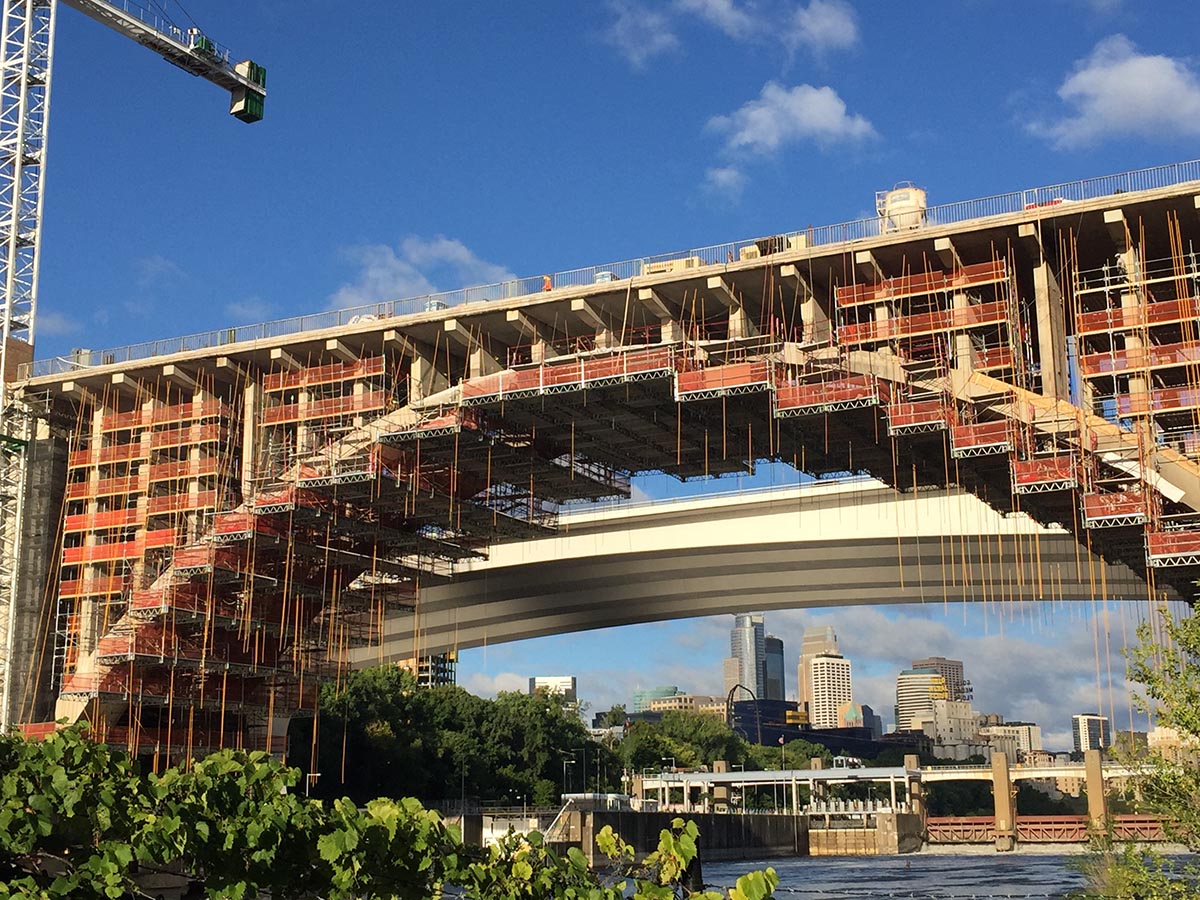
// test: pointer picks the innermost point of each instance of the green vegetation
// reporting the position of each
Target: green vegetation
(78, 820)
(1168, 665)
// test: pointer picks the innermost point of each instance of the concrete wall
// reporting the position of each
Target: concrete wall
(32, 700)
(721, 836)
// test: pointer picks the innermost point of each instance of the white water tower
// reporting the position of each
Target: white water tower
(902, 208)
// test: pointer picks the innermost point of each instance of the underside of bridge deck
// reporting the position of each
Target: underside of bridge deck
(239, 519)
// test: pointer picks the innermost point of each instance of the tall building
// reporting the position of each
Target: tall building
(873, 721)
(1027, 735)
(829, 677)
(774, 686)
(1090, 732)
(746, 649)
(951, 670)
(814, 641)
(916, 689)
(643, 697)
(562, 685)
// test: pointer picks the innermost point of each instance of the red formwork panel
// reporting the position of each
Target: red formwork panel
(1173, 547)
(92, 587)
(1116, 507)
(922, 283)
(1027, 474)
(115, 518)
(164, 537)
(183, 502)
(1158, 400)
(981, 435)
(724, 378)
(819, 395)
(1177, 354)
(908, 414)
(924, 323)
(99, 456)
(367, 367)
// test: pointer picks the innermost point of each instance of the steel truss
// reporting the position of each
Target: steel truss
(917, 428)
(817, 409)
(26, 42)
(1045, 487)
(981, 450)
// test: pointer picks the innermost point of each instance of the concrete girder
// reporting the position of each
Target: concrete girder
(1118, 228)
(126, 381)
(341, 351)
(947, 253)
(480, 362)
(177, 375)
(231, 365)
(538, 334)
(813, 318)
(592, 317)
(866, 263)
(740, 324)
(656, 305)
(285, 359)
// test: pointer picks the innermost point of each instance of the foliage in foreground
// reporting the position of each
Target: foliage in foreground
(78, 820)
(1169, 668)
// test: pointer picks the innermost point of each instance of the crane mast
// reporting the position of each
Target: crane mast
(26, 53)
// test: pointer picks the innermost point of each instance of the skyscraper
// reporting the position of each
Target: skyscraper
(829, 677)
(815, 641)
(1090, 732)
(951, 670)
(774, 685)
(916, 689)
(746, 641)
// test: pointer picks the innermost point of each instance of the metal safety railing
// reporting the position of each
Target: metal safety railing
(679, 262)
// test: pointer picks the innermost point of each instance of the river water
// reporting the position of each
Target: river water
(926, 876)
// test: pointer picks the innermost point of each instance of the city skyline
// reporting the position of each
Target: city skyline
(1006, 651)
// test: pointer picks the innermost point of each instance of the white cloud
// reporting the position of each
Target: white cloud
(418, 266)
(728, 181)
(484, 685)
(821, 26)
(51, 323)
(1117, 91)
(725, 15)
(640, 33)
(157, 271)
(781, 116)
(249, 310)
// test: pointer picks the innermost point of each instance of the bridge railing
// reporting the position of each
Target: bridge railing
(678, 262)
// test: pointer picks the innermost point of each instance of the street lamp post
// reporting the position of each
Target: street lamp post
(567, 760)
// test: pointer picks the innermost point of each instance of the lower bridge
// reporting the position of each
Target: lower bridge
(1039, 829)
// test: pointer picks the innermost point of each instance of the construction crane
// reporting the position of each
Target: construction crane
(26, 53)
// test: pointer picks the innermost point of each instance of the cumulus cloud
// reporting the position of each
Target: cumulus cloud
(416, 267)
(484, 685)
(1117, 91)
(782, 115)
(728, 181)
(640, 33)
(725, 15)
(821, 26)
(249, 310)
(51, 323)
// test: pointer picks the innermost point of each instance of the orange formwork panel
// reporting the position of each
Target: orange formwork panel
(115, 518)
(186, 468)
(100, 456)
(917, 416)
(1162, 312)
(372, 401)
(176, 503)
(105, 487)
(1173, 548)
(973, 316)
(367, 367)
(152, 540)
(719, 381)
(1045, 473)
(103, 586)
(981, 439)
(1159, 400)
(917, 285)
(1114, 509)
(190, 412)
(833, 395)
(1165, 355)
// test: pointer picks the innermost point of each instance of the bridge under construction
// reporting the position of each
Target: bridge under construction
(215, 525)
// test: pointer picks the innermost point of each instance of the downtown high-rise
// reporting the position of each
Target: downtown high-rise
(746, 664)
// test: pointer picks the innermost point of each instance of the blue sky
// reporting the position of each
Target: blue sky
(411, 147)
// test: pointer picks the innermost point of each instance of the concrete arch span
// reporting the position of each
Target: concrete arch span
(821, 545)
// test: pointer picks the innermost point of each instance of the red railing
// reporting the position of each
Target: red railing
(163, 537)
(173, 503)
(924, 323)
(367, 367)
(187, 468)
(105, 487)
(324, 409)
(121, 421)
(1158, 400)
(960, 829)
(92, 587)
(1182, 353)
(115, 518)
(1117, 319)
(1173, 543)
(188, 434)
(185, 412)
(924, 283)
(94, 456)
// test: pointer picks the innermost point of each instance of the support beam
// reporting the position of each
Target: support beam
(592, 316)
(947, 253)
(814, 320)
(1114, 221)
(231, 365)
(1051, 332)
(868, 265)
(285, 359)
(123, 380)
(341, 351)
(480, 362)
(654, 303)
(740, 324)
(1006, 809)
(425, 378)
(537, 333)
(176, 375)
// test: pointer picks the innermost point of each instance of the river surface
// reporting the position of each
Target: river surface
(926, 876)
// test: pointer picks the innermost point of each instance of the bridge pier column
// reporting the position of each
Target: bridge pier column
(720, 792)
(1097, 802)
(914, 788)
(1004, 797)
